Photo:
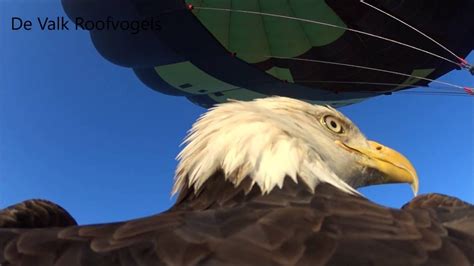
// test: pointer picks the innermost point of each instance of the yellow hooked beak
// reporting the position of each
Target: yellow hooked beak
(393, 165)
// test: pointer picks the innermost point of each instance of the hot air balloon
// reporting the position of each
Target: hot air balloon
(322, 51)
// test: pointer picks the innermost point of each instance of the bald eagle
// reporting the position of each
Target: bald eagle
(267, 182)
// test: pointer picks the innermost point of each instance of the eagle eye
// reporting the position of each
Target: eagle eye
(333, 124)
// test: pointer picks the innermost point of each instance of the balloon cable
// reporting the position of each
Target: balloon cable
(369, 68)
(448, 90)
(462, 62)
(413, 91)
(400, 85)
(328, 25)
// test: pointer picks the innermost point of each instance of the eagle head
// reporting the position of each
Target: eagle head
(270, 139)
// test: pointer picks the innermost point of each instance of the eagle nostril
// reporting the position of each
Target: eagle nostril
(379, 148)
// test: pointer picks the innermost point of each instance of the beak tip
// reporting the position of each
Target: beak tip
(414, 188)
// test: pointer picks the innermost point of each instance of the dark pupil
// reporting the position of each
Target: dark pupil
(333, 124)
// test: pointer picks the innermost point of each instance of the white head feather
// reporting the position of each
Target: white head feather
(265, 140)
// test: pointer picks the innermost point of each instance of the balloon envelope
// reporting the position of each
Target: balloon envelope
(306, 49)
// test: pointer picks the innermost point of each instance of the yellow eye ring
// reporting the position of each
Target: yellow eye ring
(333, 124)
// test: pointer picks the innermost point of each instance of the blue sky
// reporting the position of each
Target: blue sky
(86, 134)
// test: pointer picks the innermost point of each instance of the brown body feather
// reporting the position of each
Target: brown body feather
(223, 225)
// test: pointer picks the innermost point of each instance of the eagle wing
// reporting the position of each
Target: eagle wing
(452, 212)
(294, 227)
(35, 213)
